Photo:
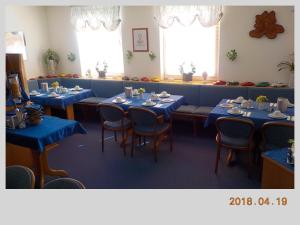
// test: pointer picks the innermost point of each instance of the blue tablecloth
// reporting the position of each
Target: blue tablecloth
(259, 117)
(280, 156)
(49, 131)
(165, 108)
(63, 101)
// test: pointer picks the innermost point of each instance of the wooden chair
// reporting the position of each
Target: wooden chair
(146, 123)
(114, 118)
(234, 134)
(276, 135)
(64, 183)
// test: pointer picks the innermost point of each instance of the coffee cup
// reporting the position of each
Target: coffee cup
(135, 92)
(77, 87)
(34, 92)
(277, 113)
(244, 104)
(119, 99)
(164, 93)
(240, 99)
(154, 97)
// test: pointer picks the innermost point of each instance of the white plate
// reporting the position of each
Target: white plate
(34, 94)
(147, 104)
(226, 105)
(53, 96)
(290, 105)
(164, 96)
(236, 101)
(235, 113)
(282, 116)
(167, 100)
(74, 89)
(122, 101)
(74, 92)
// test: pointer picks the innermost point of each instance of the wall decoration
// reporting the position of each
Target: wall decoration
(265, 24)
(71, 57)
(152, 56)
(51, 59)
(129, 55)
(231, 55)
(140, 39)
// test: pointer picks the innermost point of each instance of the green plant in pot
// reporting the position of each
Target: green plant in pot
(51, 59)
(290, 66)
(101, 69)
(187, 76)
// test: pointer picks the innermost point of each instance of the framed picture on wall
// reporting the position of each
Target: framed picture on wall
(140, 39)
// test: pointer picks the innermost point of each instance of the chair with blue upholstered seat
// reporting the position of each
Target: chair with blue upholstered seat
(146, 123)
(114, 118)
(276, 134)
(234, 134)
(19, 177)
(64, 183)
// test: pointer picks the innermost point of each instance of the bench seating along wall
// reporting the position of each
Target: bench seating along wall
(211, 95)
(200, 95)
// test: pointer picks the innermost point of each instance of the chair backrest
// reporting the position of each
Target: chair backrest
(142, 117)
(235, 127)
(276, 134)
(19, 177)
(111, 112)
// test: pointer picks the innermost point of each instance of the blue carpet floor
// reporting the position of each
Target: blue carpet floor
(190, 165)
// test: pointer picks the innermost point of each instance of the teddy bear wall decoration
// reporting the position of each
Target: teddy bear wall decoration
(265, 24)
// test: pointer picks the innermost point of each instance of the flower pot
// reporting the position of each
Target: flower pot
(204, 75)
(261, 105)
(187, 76)
(101, 74)
(51, 67)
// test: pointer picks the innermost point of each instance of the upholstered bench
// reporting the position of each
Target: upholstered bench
(193, 113)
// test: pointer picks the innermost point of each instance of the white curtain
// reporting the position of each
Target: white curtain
(93, 17)
(186, 15)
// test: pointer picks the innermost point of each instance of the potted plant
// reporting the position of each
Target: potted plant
(141, 91)
(51, 59)
(261, 102)
(187, 76)
(101, 69)
(290, 66)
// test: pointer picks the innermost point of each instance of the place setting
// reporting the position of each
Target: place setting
(119, 100)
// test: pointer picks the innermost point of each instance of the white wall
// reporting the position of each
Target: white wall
(63, 38)
(140, 17)
(33, 22)
(257, 58)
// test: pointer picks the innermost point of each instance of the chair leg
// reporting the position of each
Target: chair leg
(144, 140)
(140, 140)
(218, 157)
(249, 163)
(102, 139)
(171, 139)
(155, 149)
(132, 144)
(124, 142)
(194, 128)
(115, 134)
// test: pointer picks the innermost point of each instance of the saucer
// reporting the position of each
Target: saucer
(281, 116)
(34, 93)
(53, 96)
(237, 101)
(149, 104)
(240, 112)
(121, 101)
(226, 105)
(76, 89)
(164, 96)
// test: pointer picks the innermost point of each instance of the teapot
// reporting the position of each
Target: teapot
(128, 92)
(282, 104)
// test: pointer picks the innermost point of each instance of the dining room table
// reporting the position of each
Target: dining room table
(29, 146)
(63, 101)
(259, 117)
(162, 106)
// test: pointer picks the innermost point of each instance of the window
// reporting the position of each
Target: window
(193, 44)
(101, 46)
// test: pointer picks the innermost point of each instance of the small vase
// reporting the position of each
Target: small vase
(51, 67)
(204, 75)
(261, 105)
